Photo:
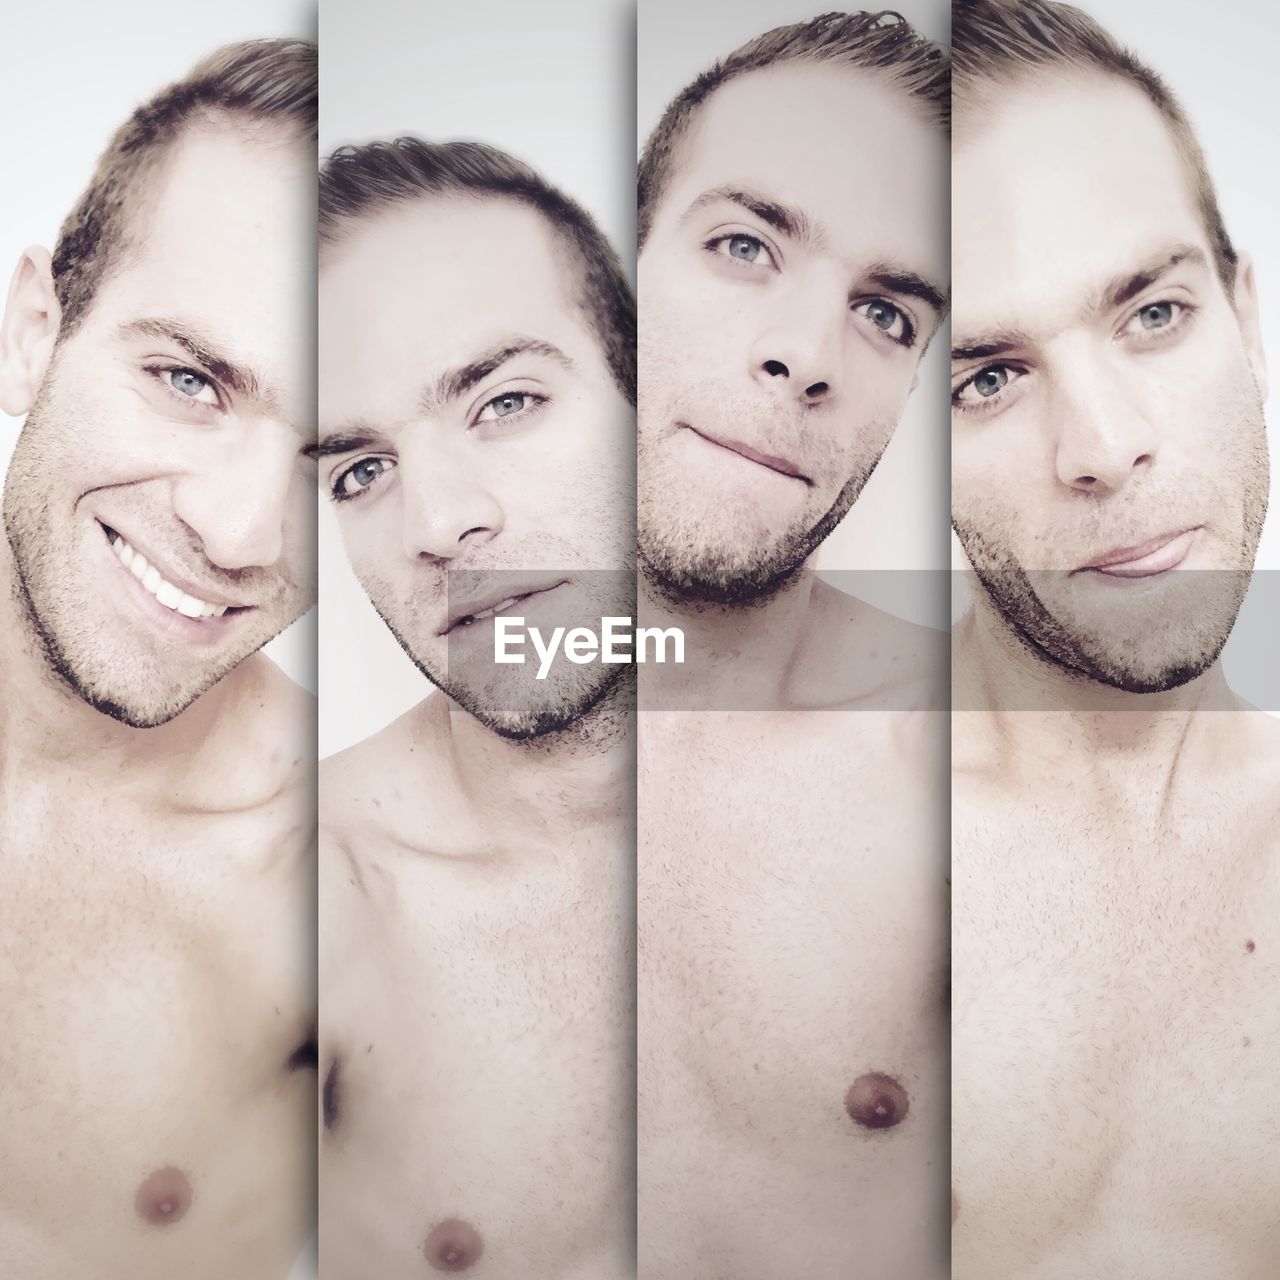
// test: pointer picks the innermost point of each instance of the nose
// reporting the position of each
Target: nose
(796, 356)
(238, 506)
(1103, 438)
(447, 508)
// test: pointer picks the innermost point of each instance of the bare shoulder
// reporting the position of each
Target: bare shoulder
(871, 659)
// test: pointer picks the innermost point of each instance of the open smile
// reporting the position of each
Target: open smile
(168, 602)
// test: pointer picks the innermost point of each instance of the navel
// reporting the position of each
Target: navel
(164, 1197)
(877, 1101)
(453, 1246)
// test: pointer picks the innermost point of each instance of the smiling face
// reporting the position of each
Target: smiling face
(157, 503)
(793, 274)
(1109, 464)
(478, 452)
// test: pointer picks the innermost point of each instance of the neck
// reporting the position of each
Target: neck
(737, 656)
(1039, 711)
(552, 786)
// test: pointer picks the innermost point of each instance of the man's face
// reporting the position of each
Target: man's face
(476, 447)
(792, 276)
(157, 501)
(1109, 467)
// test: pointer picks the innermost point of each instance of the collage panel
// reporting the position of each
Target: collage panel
(157, 714)
(476, 468)
(1116, 751)
(793, 288)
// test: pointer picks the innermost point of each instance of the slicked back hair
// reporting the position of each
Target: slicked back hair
(880, 42)
(1000, 43)
(358, 182)
(254, 84)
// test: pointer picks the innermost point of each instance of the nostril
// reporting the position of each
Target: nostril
(776, 369)
(818, 389)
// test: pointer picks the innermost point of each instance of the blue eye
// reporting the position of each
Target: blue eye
(990, 382)
(746, 248)
(510, 404)
(187, 382)
(359, 476)
(889, 319)
(504, 406)
(1156, 315)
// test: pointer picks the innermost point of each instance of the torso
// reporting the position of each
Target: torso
(156, 988)
(479, 1009)
(792, 941)
(1117, 1029)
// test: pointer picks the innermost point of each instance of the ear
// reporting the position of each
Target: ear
(29, 331)
(1246, 308)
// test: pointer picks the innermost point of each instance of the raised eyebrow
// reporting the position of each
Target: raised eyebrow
(457, 382)
(201, 349)
(782, 218)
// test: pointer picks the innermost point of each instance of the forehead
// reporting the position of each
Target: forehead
(1062, 185)
(424, 286)
(223, 237)
(846, 145)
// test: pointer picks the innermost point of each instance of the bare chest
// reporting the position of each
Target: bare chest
(478, 1053)
(1117, 1039)
(792, 966)
(153, 982)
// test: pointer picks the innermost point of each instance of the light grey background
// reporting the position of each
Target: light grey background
(1224, 74)
(70, 73)
(901, 520)
(550, 83)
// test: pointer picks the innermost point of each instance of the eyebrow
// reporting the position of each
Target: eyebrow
(454, 383)
(202, 350)
(451, 385)
(1115, 293)
(795, 224)
(790, 222)
(908, 284)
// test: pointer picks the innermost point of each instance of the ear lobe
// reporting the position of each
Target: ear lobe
(29, 331)
(1246, 308)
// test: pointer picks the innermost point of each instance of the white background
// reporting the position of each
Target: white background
(69, 77)
(550, 83)
(1224, 74)
(70, 74)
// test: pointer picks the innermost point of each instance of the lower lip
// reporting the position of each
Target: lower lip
(194, 630)
(485, 625)
(763, 461)
(1155, 563)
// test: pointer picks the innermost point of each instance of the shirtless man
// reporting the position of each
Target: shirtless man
(477, 437)
(1117, 878)
(792, 909)
(155, 807)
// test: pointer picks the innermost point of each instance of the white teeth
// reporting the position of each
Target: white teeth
(170, 596)
(489, 613)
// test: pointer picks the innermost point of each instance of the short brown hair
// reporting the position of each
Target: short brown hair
(356, 182)
(1001, 42)
(255, 82)
(884, 42)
